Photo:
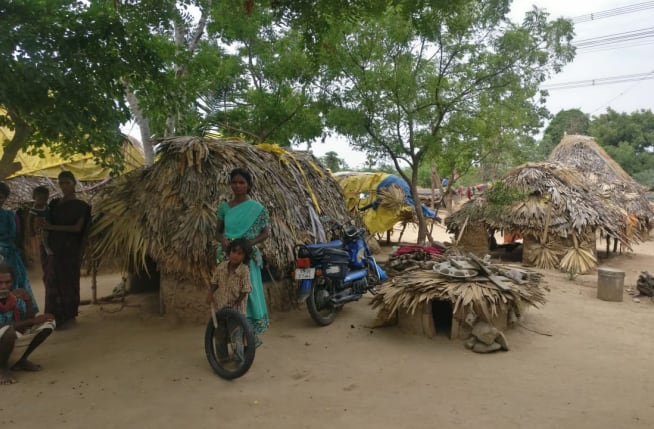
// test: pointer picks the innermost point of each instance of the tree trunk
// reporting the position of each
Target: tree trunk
(422, 225)
(144, 126)
(7, 164)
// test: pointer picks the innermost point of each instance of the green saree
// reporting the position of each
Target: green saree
(248, 219)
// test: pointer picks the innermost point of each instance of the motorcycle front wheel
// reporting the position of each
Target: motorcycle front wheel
(373, 275)
(321, 309)
(229, 344)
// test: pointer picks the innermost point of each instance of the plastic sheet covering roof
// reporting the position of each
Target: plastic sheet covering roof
(82, 165)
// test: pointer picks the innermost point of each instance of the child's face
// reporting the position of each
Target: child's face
(236, 255)
(40, 200)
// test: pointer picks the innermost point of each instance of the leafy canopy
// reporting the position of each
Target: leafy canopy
(61, 64)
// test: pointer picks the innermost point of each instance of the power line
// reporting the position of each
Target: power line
(613, 12)
(608, 39)
(615, 46)
(599, 81)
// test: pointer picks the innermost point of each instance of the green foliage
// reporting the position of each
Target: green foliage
(62, 65)
(500, 197)
(266, 94)
(629, 139)
(333, 162)
(645, 177)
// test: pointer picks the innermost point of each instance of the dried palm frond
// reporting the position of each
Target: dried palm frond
(484, 298)
(392, 198)
(604, 176)
(578, 261)
(167, 211)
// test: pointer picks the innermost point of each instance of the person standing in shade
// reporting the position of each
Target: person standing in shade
(68, 226)
(243, 217)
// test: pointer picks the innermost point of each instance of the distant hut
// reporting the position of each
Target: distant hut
(167, 212)
(551, 206)
(605, 177)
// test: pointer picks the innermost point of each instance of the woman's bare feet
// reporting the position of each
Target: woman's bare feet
(25, 365)
(6, 377)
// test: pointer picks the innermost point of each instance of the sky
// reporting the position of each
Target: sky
(623, 59)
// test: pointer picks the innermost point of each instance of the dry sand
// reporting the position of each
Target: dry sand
(133, 369)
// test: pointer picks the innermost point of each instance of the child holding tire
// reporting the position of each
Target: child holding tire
(229, 287)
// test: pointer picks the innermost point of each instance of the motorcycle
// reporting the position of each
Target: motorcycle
(334, 273)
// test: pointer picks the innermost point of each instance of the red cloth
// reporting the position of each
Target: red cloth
(432, 250)
(10, 305)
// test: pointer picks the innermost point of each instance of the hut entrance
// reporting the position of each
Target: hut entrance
(442, 313)
(141, 281)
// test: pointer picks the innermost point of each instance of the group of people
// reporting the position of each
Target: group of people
(62, 224)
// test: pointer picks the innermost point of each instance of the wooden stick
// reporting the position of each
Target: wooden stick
(94, 282)
(463, 228)
(548, 219)
(213, 316)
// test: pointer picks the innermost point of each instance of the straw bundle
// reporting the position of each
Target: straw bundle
(392, 198)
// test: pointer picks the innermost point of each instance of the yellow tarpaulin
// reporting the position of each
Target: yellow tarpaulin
(354, 185)
(82, 165)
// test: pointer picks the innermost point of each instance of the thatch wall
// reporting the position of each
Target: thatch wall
(167, 211)
(474, 239)
(605, 177)
(552, 205)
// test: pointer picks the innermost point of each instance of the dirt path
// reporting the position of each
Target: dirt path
(132, 369)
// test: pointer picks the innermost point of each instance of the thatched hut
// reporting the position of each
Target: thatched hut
(167, 212)
(553, 209)
(605, 177)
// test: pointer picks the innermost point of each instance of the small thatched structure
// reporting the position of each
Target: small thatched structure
(605, 177)
(168, 211)
(414, 298)
(551, 206)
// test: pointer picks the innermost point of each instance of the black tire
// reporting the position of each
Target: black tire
(322, 311)
(228, 368)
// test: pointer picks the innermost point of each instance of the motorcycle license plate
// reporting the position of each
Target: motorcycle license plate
(304, 273)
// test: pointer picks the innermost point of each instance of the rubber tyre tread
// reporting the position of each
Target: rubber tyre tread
(313, 309)
(248, 351)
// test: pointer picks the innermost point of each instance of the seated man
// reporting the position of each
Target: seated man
(20, 332)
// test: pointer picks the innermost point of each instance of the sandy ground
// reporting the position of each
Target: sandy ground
(130, 368)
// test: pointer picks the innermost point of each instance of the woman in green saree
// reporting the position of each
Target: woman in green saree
(244, 217)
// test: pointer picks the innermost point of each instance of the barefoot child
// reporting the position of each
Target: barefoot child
(39, 212)
(230, 286)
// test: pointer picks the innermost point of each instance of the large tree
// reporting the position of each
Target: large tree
(61, 62)
(629, 140)
(413, 86)
(269, 94)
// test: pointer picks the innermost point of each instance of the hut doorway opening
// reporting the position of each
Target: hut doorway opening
(143, 281)
(442, 314)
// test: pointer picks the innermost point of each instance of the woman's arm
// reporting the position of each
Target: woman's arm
(220, 234)
(265, 233)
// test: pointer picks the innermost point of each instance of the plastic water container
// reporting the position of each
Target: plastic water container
(610, 284)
